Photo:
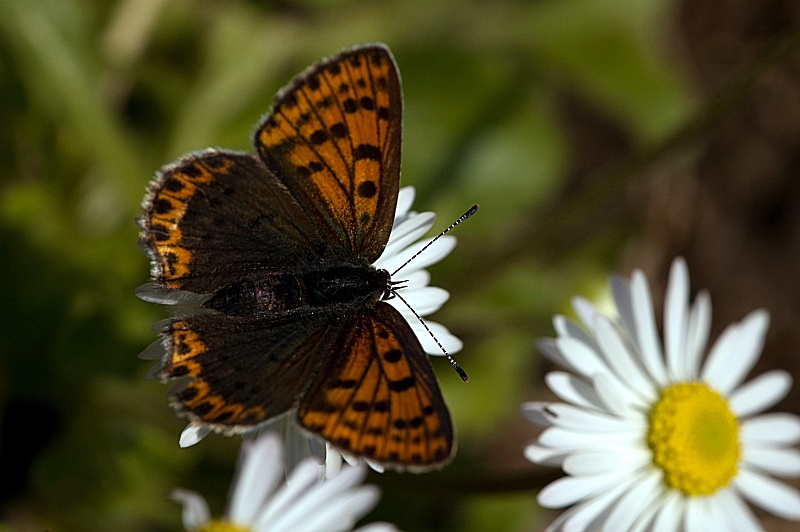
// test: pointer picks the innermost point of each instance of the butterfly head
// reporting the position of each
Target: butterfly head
(391, 288)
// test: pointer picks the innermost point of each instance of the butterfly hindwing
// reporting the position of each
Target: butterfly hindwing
(238, 372)
(379, 398)
(333, 138)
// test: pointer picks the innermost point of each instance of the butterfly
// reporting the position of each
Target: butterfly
(272, 255)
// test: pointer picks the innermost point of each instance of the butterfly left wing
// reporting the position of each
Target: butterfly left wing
(212, 218)
(333, 139)
(378, 398)
(236, 372)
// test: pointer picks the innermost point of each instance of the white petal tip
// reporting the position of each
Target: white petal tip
(193, 434)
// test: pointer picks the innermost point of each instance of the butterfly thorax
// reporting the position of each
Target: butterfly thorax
(274, 293)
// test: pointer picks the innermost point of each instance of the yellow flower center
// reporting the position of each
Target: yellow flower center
(223, 526)
(694, 437)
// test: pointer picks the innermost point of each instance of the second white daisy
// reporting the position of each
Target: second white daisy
(656, 437)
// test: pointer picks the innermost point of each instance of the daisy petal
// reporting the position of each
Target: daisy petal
(676, 319)
(646, 330)
(543, 455)
(302, 478)
(634, 502)
(621, 293)
(558, 523)
(535, 412)
(772, 495)
(410, 228)
(715, 512)
(737, 513)
(608, 393)
(259, 475)
(405, 199)
(339, 513)
(300, 445)
(418, 279)
(577, 439)
(736, 351)
(375, 466)
(621, 360)
(784, 462)
(771, 430)
(760, 393)
(571, 417)
(193, 434)
(590, 514)
(592, 462)
(195, 508)
(436, 252)
(406, 233)
(569, 490)
(644, 522)
(451, 343)
(695, 517)
(668, 517)
(585, 311)
(548, 348)
(332, 466)
(568, 328)
(424, 301)
(305, 512)
(697, 334)
(581, 356)
(572, 389)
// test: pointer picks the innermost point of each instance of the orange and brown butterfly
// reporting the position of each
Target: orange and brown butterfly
(281, 264)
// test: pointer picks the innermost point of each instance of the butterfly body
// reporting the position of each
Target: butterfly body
(280, 247)
(334, 290)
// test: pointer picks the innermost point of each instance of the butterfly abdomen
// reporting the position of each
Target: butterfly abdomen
(275, 293)
(267, 293)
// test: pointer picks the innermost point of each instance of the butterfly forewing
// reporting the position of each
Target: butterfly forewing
(333, 137)
(379, 398)
(212, 217)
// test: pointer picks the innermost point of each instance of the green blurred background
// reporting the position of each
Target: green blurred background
(597, 137)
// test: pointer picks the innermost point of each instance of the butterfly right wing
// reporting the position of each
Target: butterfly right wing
(238, 372)
(333, 137)
(377, 397)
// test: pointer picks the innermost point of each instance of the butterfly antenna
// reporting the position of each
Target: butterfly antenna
(459, 369)
(461, 218)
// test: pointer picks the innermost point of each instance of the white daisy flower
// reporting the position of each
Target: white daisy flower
(656, 438)
(262, 501)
